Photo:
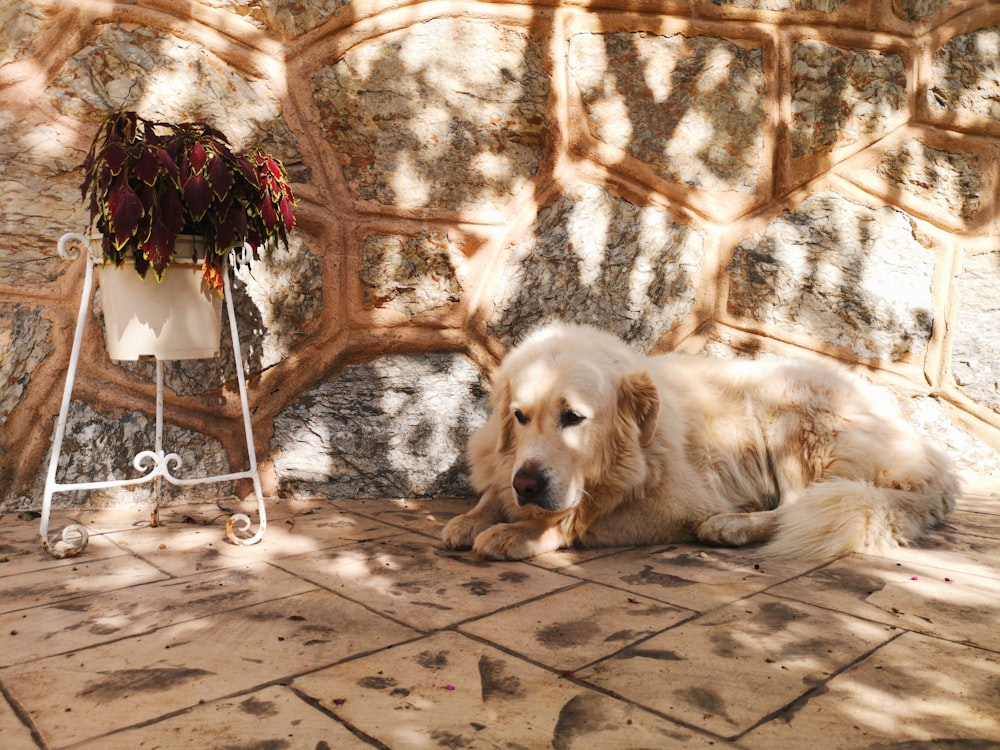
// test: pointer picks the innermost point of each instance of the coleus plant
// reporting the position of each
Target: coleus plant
(149, 181)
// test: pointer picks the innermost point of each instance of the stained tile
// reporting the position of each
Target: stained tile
(692, 577)
(966, 543)
(449, 691)
(178, 667)
(421, 516)
(79, 622)
(729, 669)
(21, 550)
(572, 628)
(274, 717)
(414, 580)
(190, 541)
(982, 496)
(13, 734)
(934, 600)
(913, 692)
(81, 575)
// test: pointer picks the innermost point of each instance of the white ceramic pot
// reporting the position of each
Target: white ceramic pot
(177, 318)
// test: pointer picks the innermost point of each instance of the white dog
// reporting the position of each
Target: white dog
(591, 444)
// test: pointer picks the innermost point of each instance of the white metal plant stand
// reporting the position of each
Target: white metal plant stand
(156, 464)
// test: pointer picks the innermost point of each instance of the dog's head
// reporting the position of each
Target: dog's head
(574, 410)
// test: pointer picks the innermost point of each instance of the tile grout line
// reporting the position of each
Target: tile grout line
(22, 714)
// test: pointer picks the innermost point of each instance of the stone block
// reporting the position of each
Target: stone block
(393, 427)
(842, 96)
(40, 201)
(24, 344)
(917, 10)
(951, 181)
(291, 17)
(975, 347)
(595, 258)
(689, 107)
(20, 23)
(965, 74)
(840, 272)
(416, 128)
(411, 275)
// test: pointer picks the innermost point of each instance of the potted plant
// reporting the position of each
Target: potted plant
(152, 187)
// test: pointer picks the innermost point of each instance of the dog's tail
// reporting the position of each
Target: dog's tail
(839, 516)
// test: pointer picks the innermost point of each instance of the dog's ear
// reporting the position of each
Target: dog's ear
(638, 398)
(501, 413)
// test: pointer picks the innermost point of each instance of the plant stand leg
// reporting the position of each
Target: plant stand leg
(253, 473)
(154, 513)
(75, 536)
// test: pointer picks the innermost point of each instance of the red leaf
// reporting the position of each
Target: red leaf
(287, 216)
(269, 215)
(141, 265)
(171, 210)
(197, 196)
(274, 167)
(159, 248)
(147, 168)
(115, 157)
(247, 169)
(167, 162)
(125, 210)
(198, 157)
(219, 177)
(212, 273)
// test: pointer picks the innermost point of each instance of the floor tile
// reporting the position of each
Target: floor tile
(13, 734)
(273, 717)
(421, 516)
(688, 576)
(916, 692)
(82, 575)
(21, 550)
(198, 660)
(414, 580)
(932, 600)
(573, 628)
(981, 497)
(727, 670)
(195, 540)
(963, 544)
(74, 624)
(449, 691)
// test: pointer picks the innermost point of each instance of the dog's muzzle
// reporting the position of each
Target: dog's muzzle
(531, 486)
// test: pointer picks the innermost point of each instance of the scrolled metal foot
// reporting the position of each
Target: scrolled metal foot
(73, 541)
(244, 525)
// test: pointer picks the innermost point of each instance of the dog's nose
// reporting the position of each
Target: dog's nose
(530, 485)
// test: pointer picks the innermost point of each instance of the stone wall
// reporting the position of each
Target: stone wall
(738, 177)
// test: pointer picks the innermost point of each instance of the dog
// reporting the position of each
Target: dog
(590, 444)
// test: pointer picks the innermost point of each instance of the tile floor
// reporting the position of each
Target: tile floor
(350, 626)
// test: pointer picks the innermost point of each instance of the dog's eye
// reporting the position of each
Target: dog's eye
(569, 418)
(521, 417)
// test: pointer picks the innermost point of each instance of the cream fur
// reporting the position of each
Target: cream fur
(620, 449)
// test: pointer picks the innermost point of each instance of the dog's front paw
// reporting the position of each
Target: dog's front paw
(504, 541)
(461, 531)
